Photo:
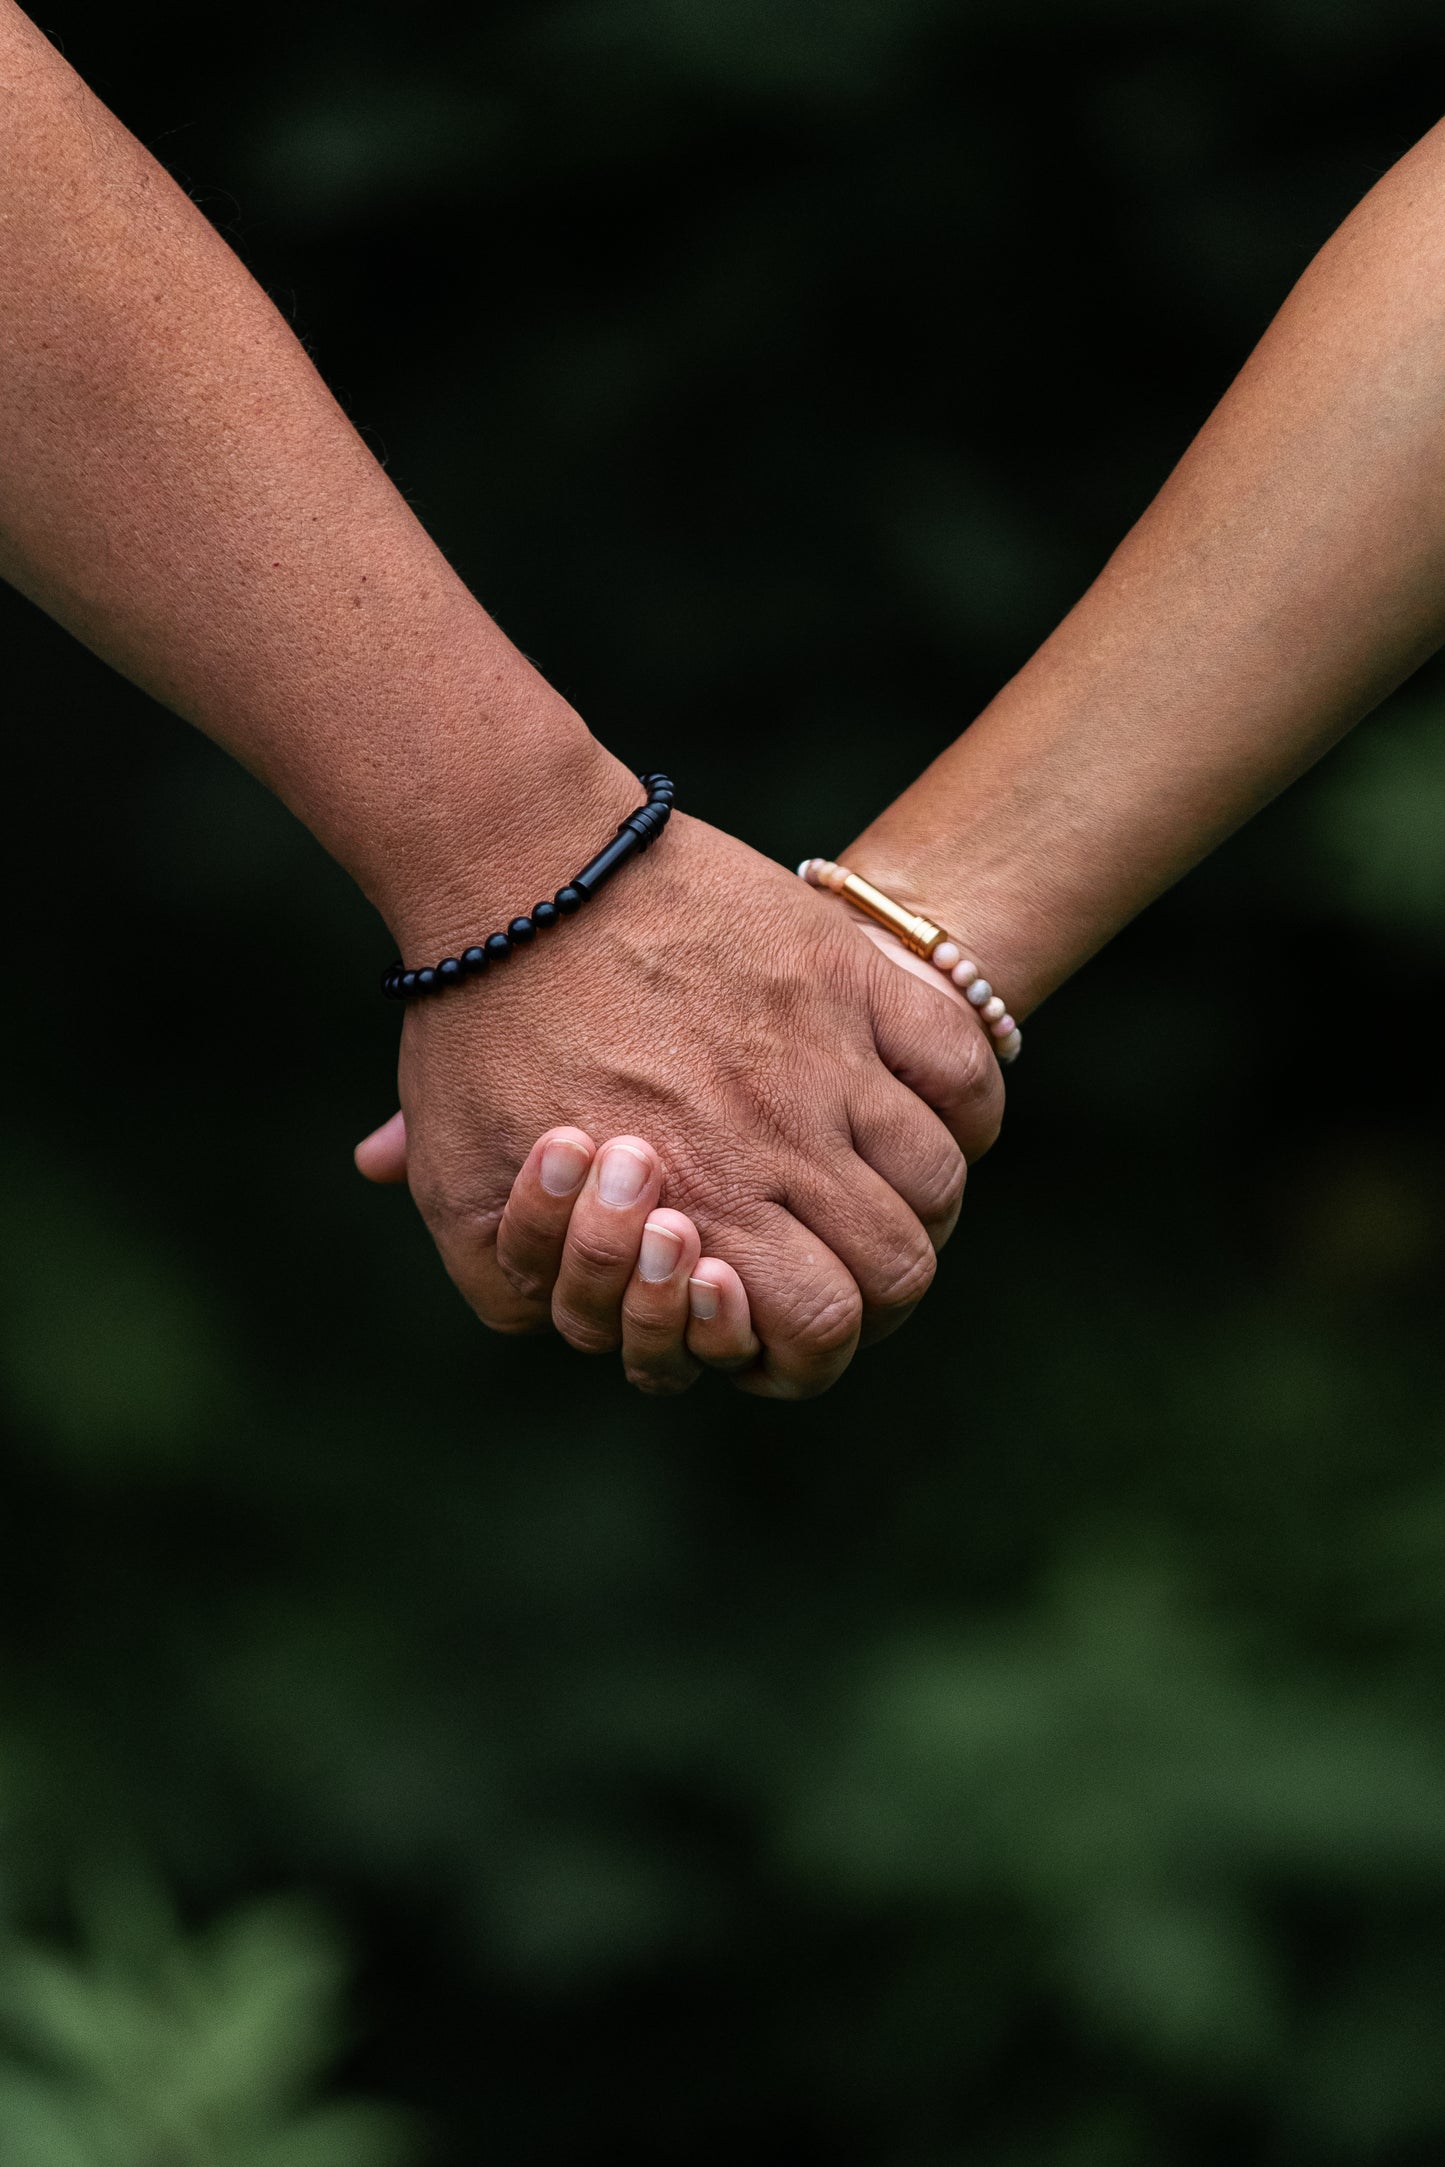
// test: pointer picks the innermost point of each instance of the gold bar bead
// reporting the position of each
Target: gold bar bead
(920, 935)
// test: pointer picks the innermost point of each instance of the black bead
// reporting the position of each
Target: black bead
(634, 835)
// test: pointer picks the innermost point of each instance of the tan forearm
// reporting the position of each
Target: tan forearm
(1289, 574)
(180, 489)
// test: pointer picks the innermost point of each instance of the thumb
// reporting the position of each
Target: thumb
(930, 1038)
(382, 1155)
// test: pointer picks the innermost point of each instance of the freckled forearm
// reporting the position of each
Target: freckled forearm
(1289, 574)
(179, 488)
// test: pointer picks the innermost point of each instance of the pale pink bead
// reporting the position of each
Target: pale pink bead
(992, 1009)
(979, 992)
(945, 955)
(964, 973)
(1008, 1048)
(805, 870)
(1004, 1026)
(835, 877)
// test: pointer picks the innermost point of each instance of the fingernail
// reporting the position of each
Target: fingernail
(661, 1248)
(702, 1299)
(564, 1168)
(624, 1175)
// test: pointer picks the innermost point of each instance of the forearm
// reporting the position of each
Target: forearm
(178, 487)
(1289, 574)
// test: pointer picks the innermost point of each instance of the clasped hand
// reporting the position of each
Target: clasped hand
(806, 1106)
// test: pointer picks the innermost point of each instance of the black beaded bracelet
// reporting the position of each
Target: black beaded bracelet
(633, 835)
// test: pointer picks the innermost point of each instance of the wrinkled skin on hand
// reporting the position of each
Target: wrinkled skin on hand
(813, 1105)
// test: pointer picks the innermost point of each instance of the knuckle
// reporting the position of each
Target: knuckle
(978, 1086)
(524, 1280)
(972, 1060)
(589, 1335)
(827, 1323)
(651, 1326)
(945, 1192)
(649, 1340)
(906, 1277)
(938, 1169)
(591, 1257)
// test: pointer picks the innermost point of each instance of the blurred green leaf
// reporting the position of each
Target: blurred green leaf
(198, 2050)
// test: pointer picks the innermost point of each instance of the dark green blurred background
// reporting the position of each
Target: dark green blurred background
(416, 1747)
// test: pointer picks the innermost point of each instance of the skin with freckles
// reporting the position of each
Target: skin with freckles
(1288, 575)
(814, 1108)
(178, 487)
(672, 1311)
(1290, 572)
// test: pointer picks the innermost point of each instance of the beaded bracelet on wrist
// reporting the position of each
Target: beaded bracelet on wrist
(633, 836)
(921, 937)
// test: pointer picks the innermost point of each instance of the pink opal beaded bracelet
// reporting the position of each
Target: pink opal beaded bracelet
(923, 938)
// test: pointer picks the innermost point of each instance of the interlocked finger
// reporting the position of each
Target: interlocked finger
(533, 1229)
(720, 1334)
(603, 1242)
(655, 1306)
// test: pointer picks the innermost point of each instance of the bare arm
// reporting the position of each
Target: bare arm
(1289, 574)
(179, 488)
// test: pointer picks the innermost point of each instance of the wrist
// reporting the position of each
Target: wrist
(500, 822)
(962, 880)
